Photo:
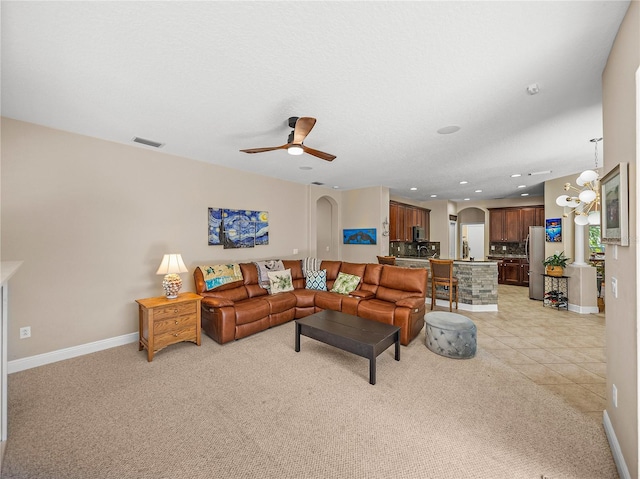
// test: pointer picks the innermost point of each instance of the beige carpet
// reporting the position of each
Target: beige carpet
(256, 408)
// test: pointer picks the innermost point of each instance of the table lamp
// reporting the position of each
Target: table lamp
(171, 266)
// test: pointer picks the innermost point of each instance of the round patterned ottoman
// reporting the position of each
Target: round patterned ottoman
(451, 335)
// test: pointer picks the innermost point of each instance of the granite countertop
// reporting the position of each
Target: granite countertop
(465, 261)
(508, 256)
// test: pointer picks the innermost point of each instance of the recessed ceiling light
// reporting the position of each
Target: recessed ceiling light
(447, 130)
(522, 186)
(516, 175)
(463, 182)
(306, 168)
(533, 89)
(467, 199)
(336, 187)
(524, 194)
(413, 188)
(434, 196)
(478, 191)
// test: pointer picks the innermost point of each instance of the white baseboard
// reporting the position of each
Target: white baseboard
(576, 308)
(615, 447)
(47, 358)
(474, 308)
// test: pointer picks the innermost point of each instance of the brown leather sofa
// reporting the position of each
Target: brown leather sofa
(389, 294)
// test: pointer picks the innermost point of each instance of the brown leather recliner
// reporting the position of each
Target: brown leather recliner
(388, 294)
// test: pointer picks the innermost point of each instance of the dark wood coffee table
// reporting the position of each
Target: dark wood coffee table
(364, 337)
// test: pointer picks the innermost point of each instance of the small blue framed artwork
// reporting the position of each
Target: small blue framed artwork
(553, 230)
(359, 236)
(238, 228)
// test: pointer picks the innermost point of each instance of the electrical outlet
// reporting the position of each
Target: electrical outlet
(433, 246)
(504, 248)
(614, 395)
(25, 332)
(493, 247)
(295, 250)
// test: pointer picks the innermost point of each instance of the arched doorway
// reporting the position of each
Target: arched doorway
(472, 233)
(327, 231)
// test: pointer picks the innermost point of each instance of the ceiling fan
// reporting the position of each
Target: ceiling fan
(301, 128)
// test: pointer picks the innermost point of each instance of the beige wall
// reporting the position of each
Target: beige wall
(620, 118)
(365, 208)
(91, 220)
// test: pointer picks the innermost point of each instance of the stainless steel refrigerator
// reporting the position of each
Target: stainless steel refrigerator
(535, 254)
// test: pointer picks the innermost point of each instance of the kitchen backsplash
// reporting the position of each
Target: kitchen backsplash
(403, 248)
(496, 249)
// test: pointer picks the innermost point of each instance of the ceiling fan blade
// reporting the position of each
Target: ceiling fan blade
(302, 129)
(269, 148)
(319, 154)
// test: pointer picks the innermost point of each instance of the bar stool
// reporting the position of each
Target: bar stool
(442, 275)
(386, 259)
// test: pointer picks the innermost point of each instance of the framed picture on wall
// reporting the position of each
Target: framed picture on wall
(614, 196)
(553, 230)
(359, 236)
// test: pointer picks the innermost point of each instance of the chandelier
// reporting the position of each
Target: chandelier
(586, 205)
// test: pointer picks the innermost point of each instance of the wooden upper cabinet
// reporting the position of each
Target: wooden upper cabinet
(496, 225)
(512, 230)
(511, 225)
(539, 220)
(527, 218)
(402, 219)
(393, 221)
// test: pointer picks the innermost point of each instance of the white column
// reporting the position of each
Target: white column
(579, 245)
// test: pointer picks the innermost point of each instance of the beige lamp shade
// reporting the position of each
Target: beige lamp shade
(172, 263)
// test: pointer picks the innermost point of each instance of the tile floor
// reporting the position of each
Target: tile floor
(561, 351)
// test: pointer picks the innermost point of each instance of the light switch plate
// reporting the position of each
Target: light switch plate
(614, 287)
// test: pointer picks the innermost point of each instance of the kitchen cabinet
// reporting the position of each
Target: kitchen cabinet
(511, 225)
(402, 219)
(524, 272)
(513, 271)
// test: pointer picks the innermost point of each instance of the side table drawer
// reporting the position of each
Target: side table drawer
(174, 324)
(174, 310)
(175, 336)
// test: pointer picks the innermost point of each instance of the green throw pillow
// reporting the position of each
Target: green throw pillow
(345, 283)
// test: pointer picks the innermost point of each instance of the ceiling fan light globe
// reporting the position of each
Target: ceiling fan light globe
(587, 196)
(295, 150)
(562, 200)
(581, 220)
(588, 176)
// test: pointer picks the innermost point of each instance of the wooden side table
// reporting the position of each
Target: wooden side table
(168, 321)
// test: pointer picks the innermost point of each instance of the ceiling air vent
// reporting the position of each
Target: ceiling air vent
(143, 141)
(317, 183)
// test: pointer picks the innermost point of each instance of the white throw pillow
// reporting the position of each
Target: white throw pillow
(280, 281)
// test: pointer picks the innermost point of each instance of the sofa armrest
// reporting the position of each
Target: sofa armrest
(211, 302)
(362, 294)
(411, 302)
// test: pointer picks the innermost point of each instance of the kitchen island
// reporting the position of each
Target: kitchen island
(477, 283)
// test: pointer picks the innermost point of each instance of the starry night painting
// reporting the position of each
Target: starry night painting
(359, 236)
(238, 228)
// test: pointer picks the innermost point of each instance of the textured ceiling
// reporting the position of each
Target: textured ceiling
(210, 78)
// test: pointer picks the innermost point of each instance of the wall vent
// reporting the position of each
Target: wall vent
(143, 141)
(317, 183)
